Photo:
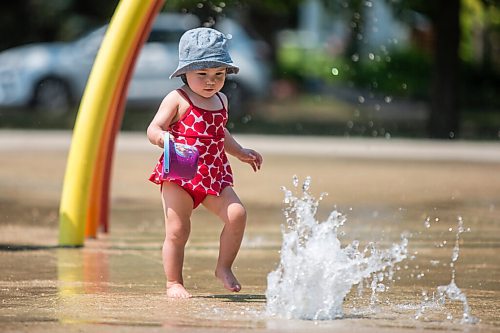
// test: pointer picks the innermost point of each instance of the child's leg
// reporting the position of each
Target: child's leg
(178, 206)
(231, 211)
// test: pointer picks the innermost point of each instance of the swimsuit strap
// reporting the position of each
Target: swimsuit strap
(222, 102)
(183, 93)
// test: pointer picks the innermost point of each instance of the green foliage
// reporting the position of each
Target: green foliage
(404, 72)
(493, 15)
(400, 72)
(300, 63)
(471, 19)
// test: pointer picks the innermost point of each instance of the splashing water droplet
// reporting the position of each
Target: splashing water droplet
(307, 184)
(451, 291)
(311, 251)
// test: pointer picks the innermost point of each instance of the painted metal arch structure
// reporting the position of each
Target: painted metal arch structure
(85, 195)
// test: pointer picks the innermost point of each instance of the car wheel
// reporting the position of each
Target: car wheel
(52, 95)
(238, 98)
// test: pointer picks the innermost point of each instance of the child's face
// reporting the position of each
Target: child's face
(206, 82)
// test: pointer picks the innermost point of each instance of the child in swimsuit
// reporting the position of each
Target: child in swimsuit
(196, 114)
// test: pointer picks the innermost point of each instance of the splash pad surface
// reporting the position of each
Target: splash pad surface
(115, 283)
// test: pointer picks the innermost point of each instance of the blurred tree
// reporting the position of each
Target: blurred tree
(490, 38)
(27, 21)
(445, 17)
(356, 11)
(13, 33)
(444, 118)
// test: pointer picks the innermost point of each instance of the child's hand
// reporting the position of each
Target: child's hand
(251, 157)
(160, 141)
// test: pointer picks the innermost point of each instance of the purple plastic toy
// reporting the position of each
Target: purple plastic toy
(180, 161)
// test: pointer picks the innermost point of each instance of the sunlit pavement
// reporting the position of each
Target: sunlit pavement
(115, 283)
(343, 147)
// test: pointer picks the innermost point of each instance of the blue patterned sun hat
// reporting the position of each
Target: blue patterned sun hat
(203, 48)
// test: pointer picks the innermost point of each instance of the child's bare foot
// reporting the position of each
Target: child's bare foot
(177, 290)
(228, 279)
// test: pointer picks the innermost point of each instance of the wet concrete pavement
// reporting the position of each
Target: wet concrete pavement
(116, 283)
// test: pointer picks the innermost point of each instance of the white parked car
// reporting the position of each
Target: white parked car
(52, 76)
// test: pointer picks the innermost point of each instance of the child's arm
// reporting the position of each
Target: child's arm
(246, 155)
(164, 116)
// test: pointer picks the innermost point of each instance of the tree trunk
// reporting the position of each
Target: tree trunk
(445, 114)
(356, 38)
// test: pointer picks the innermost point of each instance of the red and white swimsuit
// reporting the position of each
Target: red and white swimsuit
(203, 129)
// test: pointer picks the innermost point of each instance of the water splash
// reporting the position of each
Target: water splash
(316, 272)
(450, 291)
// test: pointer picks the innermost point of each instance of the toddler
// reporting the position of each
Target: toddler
(196, 115)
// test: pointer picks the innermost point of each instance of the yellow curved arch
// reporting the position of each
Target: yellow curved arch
(97, 115)
(98, 209)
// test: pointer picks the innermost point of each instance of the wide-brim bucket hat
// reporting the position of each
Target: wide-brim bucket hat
(203, 48)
